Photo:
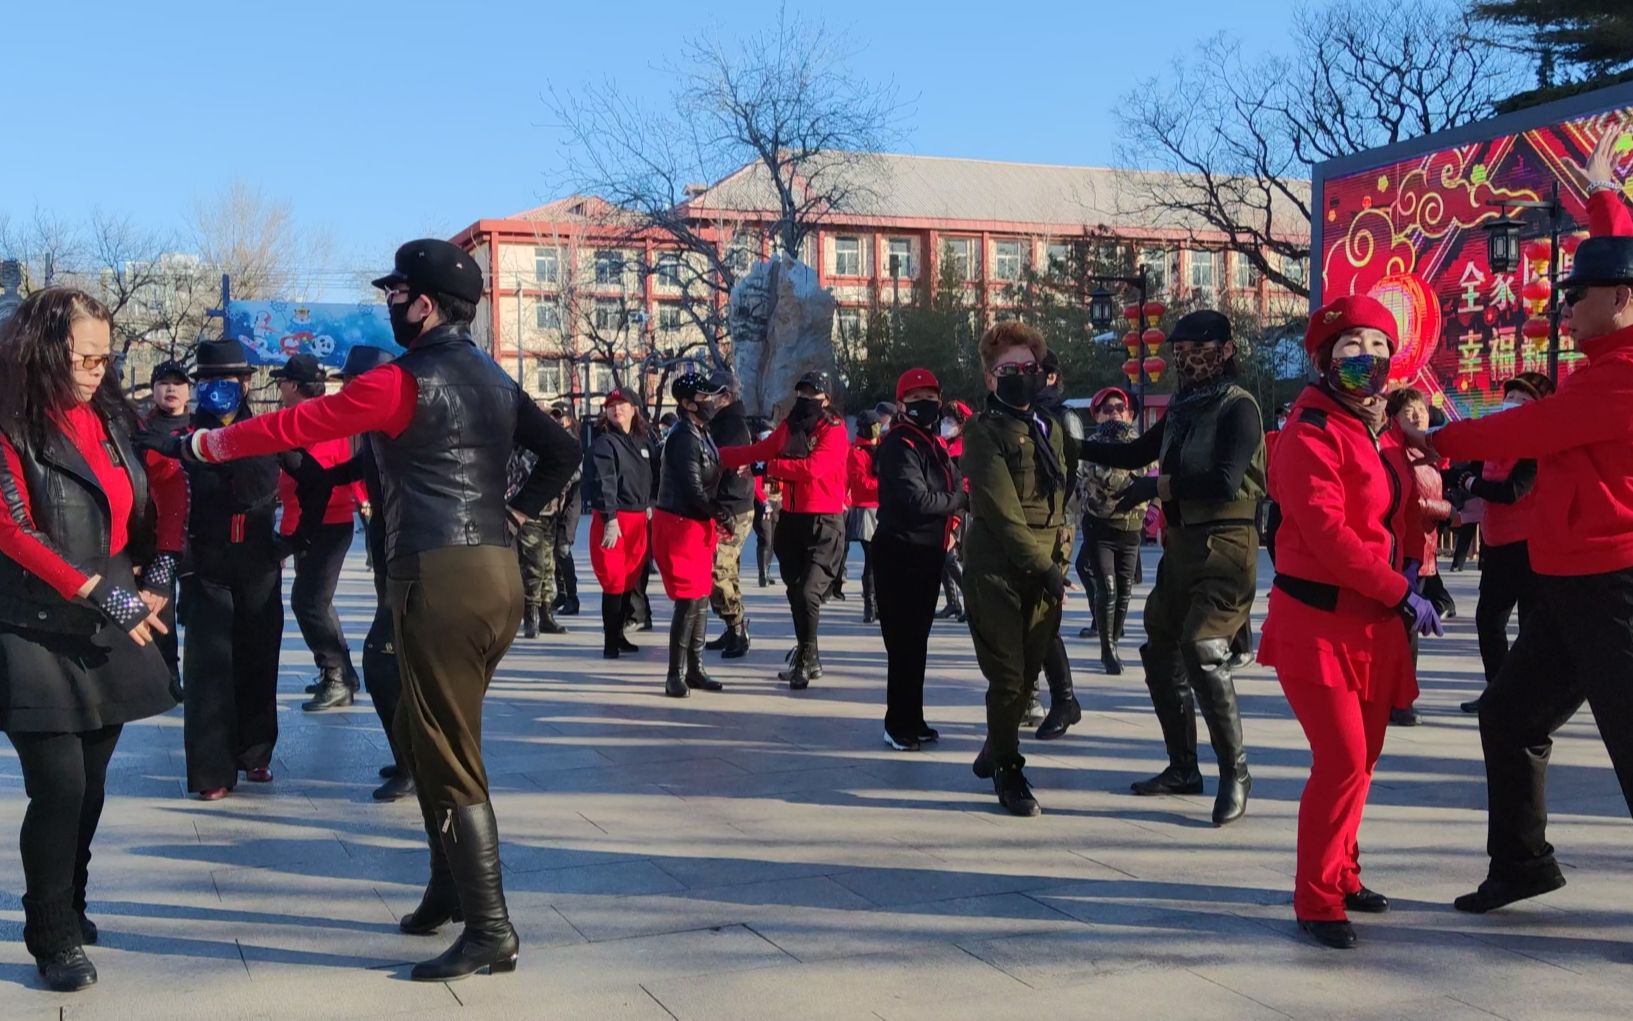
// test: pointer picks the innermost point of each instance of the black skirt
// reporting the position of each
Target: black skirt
(69, 684)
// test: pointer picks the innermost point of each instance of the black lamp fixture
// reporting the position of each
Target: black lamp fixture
(1101, 311)
(1503, 243)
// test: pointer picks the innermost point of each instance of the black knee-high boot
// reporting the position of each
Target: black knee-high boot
(680, 636)
(440, 902)
(1207, 663)
(612, 624)
(489, 941)
(1064, 711)
(696, 676)
(1172, 699)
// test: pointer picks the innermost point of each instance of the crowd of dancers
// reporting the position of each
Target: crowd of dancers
(475, 493)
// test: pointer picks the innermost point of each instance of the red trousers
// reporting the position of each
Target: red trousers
(619, 569)
(1346, 735)
(684, 551)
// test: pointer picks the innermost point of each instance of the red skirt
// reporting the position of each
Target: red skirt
(684, 551)
(619, 569)
(1372, 658)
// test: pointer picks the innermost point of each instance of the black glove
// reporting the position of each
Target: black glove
(120, 605)
(1054, 583)
(160, 574)
(162, 443)
(757, 468)
(1141, 490)
(963, 503)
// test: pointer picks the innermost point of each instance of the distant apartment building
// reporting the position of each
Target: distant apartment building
(572, 283)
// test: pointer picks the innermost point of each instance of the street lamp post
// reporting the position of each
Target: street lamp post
(1102, 314)
(1503, 254)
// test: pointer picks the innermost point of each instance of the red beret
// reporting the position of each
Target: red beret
(916, 379)
(1351, 312)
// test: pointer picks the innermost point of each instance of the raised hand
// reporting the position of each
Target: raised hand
(1601, 164)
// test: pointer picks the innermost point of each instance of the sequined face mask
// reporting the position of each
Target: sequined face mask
(1359, 375)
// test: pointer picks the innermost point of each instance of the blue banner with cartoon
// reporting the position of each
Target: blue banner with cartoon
(274, 330)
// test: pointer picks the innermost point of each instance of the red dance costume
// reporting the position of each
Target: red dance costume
(684, 551)
(619, 569)
(1347, 503)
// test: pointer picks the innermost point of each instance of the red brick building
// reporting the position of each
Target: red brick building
(574, 269)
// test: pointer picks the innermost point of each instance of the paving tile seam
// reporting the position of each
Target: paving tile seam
(1482, 1010)
(660, 1003)
(1236, 992)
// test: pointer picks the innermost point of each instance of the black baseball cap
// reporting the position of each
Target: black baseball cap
(1201, 327)
(693, 385)
(433, 266)
(815, 380)
(173, 371)
(300, 368)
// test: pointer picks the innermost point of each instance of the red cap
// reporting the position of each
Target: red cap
(1351, 312)
(916, 379)
(1101, 396)
(615, 397)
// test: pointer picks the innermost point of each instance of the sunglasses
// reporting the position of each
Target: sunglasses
(1017, 369)
(1571, 295)
(90, 363)
(1114, 409)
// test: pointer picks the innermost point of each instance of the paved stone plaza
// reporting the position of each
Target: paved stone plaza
(759, 854)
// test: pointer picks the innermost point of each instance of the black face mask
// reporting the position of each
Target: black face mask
(1021, 389)
(804, 414)
(403, 331)
(705, 411)
(924, 414)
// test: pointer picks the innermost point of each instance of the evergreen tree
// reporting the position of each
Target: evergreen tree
(1578, 44)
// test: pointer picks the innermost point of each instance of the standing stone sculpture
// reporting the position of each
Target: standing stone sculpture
(781, 324)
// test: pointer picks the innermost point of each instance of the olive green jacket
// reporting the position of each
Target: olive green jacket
(1014, 526)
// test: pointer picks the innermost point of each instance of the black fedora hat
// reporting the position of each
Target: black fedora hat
(217, 358)
(300, 368)
(1601, 262)
(363, 357)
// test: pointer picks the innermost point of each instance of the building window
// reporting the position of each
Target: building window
(901, 255)
(549, 315)
(554, 378)
(600, 378)
(1244, 276)
(1158, 265)
(609, 266)
(1296, 269)
(1008, 258)
(963, 255)
(1204, 276)
(669, 269)
(547, 265)
(847, 257)
(608, 316)
(744, 249)
(849, 321)
(1003, 315)
(1058, 256)
(670, 317)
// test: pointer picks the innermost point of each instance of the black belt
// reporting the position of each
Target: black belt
(1317, 594)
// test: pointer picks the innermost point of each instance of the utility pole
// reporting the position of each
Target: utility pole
(520, 381)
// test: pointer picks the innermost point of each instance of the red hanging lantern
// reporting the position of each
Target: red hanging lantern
(1535, 328)
(1131, 340)
(1570, 242)
(1132, 314)
(1131, 369)
(1153, 338)
(1537, 290)
(1153, 311)
(1538, 250)
(1154, 367)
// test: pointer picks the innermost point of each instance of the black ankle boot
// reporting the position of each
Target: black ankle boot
(51, 932)
(1231, 802)
(547, 621)
(67, 971)
(737, 648)
(1064, 711)
(530, 620)
(798, 674)
(489, 941)
(1338, 935)
(696, 675)
(332, 693)
(680, 635)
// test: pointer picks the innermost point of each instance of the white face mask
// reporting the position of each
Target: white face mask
(949, 431)
(1511, 403)
(1281, 423)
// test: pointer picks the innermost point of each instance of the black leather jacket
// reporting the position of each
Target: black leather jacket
(69, 513)
(919, 487)
(690, 475)
(729, 428)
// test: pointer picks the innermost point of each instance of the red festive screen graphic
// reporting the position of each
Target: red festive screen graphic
(1410, 233)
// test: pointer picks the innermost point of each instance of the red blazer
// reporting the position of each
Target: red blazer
(1422, 543)
(813, 484)
(1582, 438)
(862, 482)
(1347, 503)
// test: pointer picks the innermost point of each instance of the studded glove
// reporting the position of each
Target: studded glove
(160, 575)
(120, 605)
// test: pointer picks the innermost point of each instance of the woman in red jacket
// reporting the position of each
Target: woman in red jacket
(1408, 408)
(1334, 632)
(862, 488)
(807, 453)
(77, 653)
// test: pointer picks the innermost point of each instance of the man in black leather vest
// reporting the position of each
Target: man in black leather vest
(442, 420)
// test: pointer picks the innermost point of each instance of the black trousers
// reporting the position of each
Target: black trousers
(64, 776)
(765, 522)
(566, 569)
(1506, 581)
(1462, 542)
(381, 676)
(1106, 558)
(1578, 647)
(844, 566)
(810, 550)
(312, 595)
(906, 580)
(235, 620)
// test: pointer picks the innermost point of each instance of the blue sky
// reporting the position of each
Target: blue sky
(385, 121)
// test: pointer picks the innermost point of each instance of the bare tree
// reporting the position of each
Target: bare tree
(1233, 137)
(781, 104)
(50, 249)
(255, 240)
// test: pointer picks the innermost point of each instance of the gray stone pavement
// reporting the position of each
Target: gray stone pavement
(761, 854)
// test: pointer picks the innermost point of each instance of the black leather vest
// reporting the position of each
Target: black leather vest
(443, 479)
(71, 511)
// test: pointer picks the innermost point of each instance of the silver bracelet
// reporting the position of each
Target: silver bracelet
(1603, 185)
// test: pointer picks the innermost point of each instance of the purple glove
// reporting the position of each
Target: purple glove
(1413, 580)
(1421, 615)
